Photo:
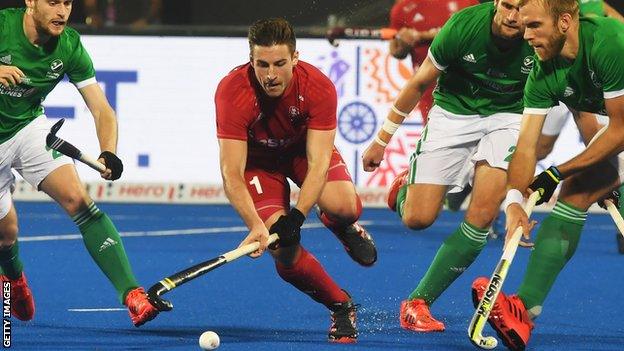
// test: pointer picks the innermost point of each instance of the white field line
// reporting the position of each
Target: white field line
(170, 232)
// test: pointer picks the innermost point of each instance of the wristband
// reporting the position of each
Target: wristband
(514, 196)
(380, 142)
(390, 127)
(399, 112)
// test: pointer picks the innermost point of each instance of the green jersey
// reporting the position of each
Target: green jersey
(591, 8)
(44, 67)
(597, 72)
(477, 77)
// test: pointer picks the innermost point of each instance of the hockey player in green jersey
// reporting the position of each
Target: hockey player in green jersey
(36, 50)
(580, 65)
(481, 64)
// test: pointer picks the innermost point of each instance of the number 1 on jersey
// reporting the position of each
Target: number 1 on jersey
(256, 182)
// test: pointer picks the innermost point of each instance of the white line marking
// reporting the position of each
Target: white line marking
(171, 232)
(96, 309)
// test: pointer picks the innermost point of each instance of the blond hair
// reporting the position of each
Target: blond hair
(556, 7)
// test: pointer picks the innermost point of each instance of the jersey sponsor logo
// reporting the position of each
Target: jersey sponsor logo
(6, 59)
(527, 64)
(56, 65)
(17, 91)
(568, 92)
(274, 143)
(470, 58)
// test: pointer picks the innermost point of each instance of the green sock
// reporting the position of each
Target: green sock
(104, 244)
(11, 265)
(454, 256)
(621, 208)
(555, 243)
(400, 200)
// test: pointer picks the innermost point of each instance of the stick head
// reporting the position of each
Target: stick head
(153, 295)
(55, 128)
(333, 34)
(485, 342)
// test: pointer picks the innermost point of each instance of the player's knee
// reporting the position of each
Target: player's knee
(481, 216)
(8, 235)
(418, 220)
(347, 212)
(73, 202)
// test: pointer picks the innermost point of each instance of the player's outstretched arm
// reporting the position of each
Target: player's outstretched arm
(607, 143)
(106, 129)
(408, 98)
(319, 149)
(233, 158)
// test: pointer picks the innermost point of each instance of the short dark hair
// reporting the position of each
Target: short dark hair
(272, 31)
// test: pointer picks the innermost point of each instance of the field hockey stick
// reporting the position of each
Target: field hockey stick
(333, 34)
(480, 317)
(173, 281)
(615, 214)
(67, 149)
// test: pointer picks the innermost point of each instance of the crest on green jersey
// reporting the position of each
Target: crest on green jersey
(56, 65)
(527, 64)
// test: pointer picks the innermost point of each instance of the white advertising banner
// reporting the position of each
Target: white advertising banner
(163, 91)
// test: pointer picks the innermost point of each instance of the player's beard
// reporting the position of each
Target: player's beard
(43, 29)
(553, 46)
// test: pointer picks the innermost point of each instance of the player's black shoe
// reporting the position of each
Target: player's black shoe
(359, 244)
(455, 200)
(343, 327)
(356, 240)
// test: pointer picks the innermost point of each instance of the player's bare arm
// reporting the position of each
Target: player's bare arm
(613, 13)
(520, 173)
(408, 98)
(319, 148)
(607, 144)
(106, 129)
(10, 75)
(233, 158)
(403, 42)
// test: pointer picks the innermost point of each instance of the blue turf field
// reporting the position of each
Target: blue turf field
(251, 308)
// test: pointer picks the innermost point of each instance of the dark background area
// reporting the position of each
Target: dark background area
(232, 17)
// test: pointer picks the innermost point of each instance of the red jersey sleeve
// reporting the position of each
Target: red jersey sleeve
(234, 102)
(396, 20)
(323, 101)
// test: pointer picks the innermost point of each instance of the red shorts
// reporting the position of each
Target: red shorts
(270, 190)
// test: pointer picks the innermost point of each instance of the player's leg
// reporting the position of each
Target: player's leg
(442, 162)
(22, 302)
(555, 243)
(270, 192)
(55, 175)
(339, 209)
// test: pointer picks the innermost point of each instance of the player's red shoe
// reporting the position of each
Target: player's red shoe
(343, 327)
(399, 181)
(509, 318)
(415, 316)
(22, 302)
(140, 309)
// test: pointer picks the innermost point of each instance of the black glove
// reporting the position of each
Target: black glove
(613, 196)
(112, 162)
(288, 228)
(545, 183)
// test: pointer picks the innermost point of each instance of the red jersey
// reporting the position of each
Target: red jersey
(423, 15)
(274, 127)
